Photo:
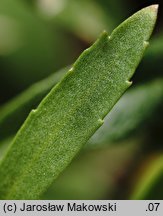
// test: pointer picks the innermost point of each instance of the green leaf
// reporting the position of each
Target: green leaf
(13, 113)
(74, 109)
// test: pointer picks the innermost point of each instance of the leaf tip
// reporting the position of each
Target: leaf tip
(154, 7)
(153, 10)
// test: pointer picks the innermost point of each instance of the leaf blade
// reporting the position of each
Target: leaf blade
(54, 133)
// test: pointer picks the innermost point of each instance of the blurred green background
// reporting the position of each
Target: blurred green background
(125, 159)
